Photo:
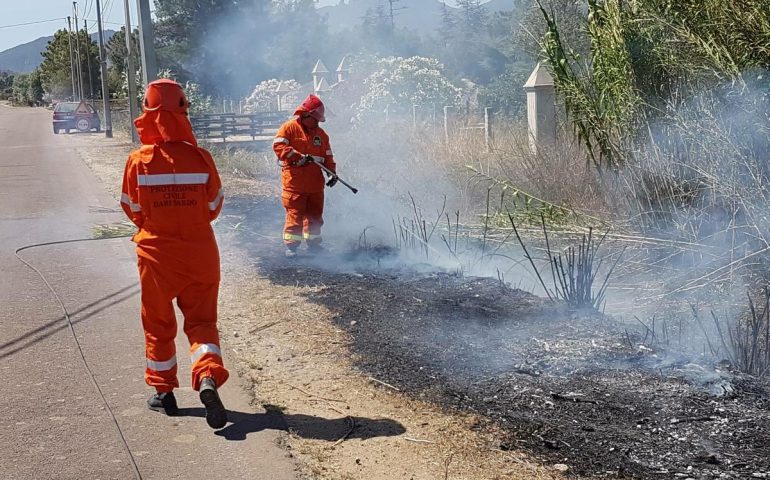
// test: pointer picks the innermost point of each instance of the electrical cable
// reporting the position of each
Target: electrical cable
(33, 23)
(108, 10)
(134, 466)
(93, 22)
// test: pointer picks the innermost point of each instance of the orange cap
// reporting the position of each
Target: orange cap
(312, 106)
(167, 95)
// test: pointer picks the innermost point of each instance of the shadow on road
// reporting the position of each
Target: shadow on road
(50, 328)
(305, 426)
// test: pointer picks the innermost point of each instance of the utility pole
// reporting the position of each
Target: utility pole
(130, 74)
(77, 55)
(393, 13)
(72, 60)
(103, 69)
(88, 60)
(146, 45)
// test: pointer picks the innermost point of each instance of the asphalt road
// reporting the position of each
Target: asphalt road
(54, 421)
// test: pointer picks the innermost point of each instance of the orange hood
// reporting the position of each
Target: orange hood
(160, 126)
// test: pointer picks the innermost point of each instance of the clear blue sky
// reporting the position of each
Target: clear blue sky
(14, 12)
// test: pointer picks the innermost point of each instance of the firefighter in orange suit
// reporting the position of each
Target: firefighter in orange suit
(300, 143)
(172, 192)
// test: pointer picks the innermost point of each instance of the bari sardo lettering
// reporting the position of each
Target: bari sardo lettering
(173, 195)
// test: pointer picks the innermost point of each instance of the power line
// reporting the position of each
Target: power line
(107, 10)
(111, 23)
(33, 23)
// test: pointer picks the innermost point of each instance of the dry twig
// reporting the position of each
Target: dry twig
(384, 384)
(418, 440)
(315, 396)
(352, 422)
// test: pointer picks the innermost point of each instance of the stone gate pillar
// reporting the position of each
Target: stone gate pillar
(541, 109)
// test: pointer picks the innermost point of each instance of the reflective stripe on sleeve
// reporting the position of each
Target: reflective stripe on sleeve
(161, 366)
(202, 350)
(173, 179)
(319, 159)
(135, 207)
(215, 203)
(280, 140)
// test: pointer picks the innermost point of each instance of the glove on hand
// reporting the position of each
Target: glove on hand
(332, 181)
(304, 160)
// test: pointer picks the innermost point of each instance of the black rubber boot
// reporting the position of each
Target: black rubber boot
(163, 402)
(216, 415)
(316, 249)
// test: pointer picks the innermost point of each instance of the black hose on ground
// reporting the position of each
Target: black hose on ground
(132, 460)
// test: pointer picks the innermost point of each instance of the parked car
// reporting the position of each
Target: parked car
(75, 115)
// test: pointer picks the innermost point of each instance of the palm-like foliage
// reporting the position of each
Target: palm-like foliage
(647, 55)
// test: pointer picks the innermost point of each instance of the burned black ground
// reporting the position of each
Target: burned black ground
(569, 387)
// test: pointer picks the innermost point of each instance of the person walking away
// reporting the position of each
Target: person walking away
(299, 143)
(172, 192)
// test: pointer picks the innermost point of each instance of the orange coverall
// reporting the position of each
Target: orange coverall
(172, 192)
(303, 187)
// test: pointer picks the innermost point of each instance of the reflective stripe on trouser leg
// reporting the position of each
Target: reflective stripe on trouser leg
(295, 205)
(291, 238)
(198, 303)
(162, 370)
(314, 218)
(159, 323)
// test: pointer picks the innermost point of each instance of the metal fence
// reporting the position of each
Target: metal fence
(237, 126)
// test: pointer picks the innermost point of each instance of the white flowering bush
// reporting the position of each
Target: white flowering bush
(264, 98)
(398, 83)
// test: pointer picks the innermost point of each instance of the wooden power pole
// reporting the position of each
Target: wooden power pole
(132, 110)
(147, 47)
(103, 69)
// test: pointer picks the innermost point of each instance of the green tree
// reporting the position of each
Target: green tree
(217, 43)
(473, 17)
(55, 70)
(465, 43)
(505, 93)
(6, 85)
(447, 31)
(296, 47)
(35, 91)
(27, 89)
(116, 57)
(19, 89)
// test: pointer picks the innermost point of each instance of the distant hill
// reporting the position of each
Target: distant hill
(26, 57)
(418, 15)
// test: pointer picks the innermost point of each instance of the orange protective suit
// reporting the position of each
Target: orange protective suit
(172, 192)
(303, 186)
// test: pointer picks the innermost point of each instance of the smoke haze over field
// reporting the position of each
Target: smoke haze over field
(235, 46)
